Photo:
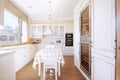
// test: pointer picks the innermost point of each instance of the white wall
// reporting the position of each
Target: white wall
(1, 11)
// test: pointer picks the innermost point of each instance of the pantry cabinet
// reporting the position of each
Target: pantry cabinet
(102, 29)
(103, 40)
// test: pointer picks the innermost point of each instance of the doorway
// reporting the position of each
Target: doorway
(118, 39)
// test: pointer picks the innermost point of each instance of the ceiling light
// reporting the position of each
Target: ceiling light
(50, 2)
(50, 10)
(30, 7)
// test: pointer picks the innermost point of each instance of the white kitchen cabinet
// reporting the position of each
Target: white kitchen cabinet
(69, 28)
(21, 57)
(33, 50)
(7, 65)
(24, 54)
(36, 31)
(103, 39)
(102, 68)
(59, 30)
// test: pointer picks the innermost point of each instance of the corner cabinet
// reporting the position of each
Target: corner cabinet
(36, 31)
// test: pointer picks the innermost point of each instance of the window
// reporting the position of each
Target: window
(24, 32)
(11, 30)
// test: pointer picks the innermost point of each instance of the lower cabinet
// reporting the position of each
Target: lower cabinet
(7, 65)
(19, 58)
(102, 68)
(23, 55)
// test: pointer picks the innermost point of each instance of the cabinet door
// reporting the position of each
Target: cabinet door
(102, 69)
(33, 30)
(103, 39)
(103, 27)
(33, 50)
(59, 31)
(7, 66)
(69, 28)
(36, 31)
(56, 31)
(19, 58)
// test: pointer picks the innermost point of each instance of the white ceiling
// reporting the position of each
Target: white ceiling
(40, 9)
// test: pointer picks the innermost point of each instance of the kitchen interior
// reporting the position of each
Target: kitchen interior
(83, 29)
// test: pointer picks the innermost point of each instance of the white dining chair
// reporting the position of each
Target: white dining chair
(51, 63)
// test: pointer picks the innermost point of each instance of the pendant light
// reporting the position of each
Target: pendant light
(48, 30)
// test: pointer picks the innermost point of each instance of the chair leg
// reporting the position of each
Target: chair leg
(59, 69)
(39, 69)
(55, 74)
(44, 71)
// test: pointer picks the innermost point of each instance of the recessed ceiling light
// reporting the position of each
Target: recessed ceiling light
(29, 6)
(50, 1)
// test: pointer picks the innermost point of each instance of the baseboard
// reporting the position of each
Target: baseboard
(83, 73)
(67, 55)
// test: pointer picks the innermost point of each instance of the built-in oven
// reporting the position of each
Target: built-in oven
(69, 39)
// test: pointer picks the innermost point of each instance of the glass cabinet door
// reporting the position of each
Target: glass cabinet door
(59, 31)
(36, 31)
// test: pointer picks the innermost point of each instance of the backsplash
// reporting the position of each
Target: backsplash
(51, 40)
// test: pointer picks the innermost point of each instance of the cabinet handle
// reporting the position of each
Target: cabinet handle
(118, 47)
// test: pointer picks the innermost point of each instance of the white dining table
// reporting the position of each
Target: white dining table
(42, 54)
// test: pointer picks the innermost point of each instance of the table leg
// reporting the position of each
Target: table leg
(41, 71)
(39, 67)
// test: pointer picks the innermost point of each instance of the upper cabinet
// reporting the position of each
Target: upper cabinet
(59, 30)
(69, 28)
(36, 31)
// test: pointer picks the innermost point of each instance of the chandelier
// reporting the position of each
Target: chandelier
(50, 9)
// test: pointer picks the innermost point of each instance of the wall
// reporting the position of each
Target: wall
(51, 21)
(1, 11)
(79, 7)
(15, 10)
(6, 4)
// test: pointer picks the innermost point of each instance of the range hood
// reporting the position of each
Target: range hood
(48, 31)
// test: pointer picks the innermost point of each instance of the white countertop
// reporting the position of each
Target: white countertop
(6, 52)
